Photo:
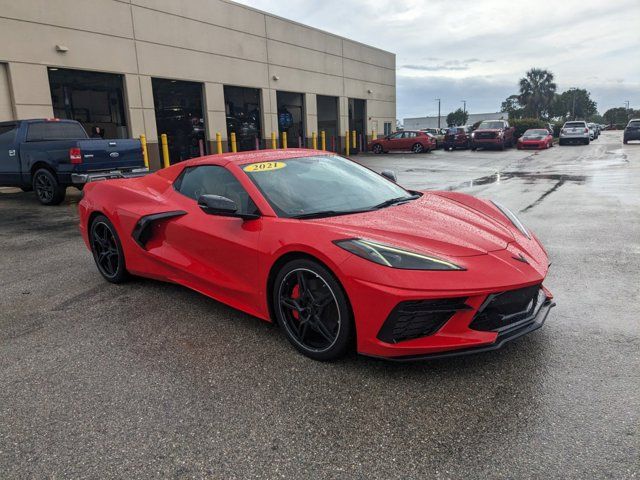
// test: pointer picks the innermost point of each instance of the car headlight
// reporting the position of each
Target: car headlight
(513, 219)
(473, 134)
(394, 257)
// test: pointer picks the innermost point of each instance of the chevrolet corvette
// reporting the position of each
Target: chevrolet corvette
(339, 256)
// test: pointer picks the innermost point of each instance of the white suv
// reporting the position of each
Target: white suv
(575, 132)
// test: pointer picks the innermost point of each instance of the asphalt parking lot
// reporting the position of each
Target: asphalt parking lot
(152, 380)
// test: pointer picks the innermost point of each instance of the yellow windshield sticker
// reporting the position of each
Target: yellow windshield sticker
(264, 166)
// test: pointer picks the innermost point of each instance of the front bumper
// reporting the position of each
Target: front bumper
(531, 145)
(82, 178)
(528, 325)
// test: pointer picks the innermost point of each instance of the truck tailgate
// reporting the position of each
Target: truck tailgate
(109, 155)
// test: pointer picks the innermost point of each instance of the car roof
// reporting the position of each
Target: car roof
(254, 156)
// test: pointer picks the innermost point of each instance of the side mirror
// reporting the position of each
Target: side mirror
(222, 206)
(389, 175)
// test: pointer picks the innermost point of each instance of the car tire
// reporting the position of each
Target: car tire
(625, 141)
(502, 146)
(107, 250)
(587, 141)
(561, 142)
(312, 308)
(47, 188)
(377, 149)
(417, 148)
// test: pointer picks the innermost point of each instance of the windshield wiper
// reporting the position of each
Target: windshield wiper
(329, 213)
(395, 201)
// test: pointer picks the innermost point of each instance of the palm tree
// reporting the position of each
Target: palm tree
(537, 92)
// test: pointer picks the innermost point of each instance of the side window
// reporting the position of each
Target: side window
(214, 180)
(7, 135)
(395, 136)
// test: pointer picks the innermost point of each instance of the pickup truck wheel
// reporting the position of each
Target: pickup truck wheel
(47, 188)
(107, 250)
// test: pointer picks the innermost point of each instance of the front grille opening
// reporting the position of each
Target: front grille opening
(504, 309)
(420, 318)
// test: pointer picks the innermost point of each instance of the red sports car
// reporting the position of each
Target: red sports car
(330, 250)
(535, 138)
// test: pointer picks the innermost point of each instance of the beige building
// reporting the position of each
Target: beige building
(190, 69)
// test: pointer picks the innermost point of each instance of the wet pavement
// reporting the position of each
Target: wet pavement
(153, 380)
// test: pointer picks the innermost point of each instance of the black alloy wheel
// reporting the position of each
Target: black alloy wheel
(417, 148)
(311, 307)
(377, 149)
(47, 189)
(107, 250)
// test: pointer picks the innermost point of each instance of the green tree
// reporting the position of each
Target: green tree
(575, 103)
(457, 118)
(512, 106)
(620, 115)
(537, 91)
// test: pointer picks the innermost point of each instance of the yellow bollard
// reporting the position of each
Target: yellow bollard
(284, 140)
(314, 141)
(373, 135)
(274, 140)
(353, 140)
(219, 143)
(234, 145)
(145, 153)
(165, 151)
(347, 143)
(323, 140)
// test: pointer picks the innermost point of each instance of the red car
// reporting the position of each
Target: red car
(457, 137)
(330, 250)
(535, 138)
(408, 140)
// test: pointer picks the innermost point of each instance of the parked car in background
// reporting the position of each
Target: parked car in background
(593, 131)
(437, 133)
(632, 131)
(535, 138)
(575, 132)
(457, 137)
(49, 155)
(407, 140)
(493, 134)
(549, 127)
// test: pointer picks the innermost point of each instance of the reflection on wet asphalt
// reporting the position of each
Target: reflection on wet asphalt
(152, 380)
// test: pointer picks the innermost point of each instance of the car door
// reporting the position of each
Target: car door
(216, 255)
(9, 157)
(408, 139)
(394, 142)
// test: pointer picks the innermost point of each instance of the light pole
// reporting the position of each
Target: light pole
(627, 104)
(438, 112)
(573, 107)
(464, 106)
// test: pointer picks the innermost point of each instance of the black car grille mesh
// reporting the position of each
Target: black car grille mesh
(504, 309)
(483, 135)
(420, 318)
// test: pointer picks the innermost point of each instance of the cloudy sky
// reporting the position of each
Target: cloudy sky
(477, 50)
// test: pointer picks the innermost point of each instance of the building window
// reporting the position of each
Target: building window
(94, 99)
(242, 106)
(387, 128)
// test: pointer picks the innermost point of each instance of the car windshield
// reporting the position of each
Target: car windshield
(634, 124)
(575, 125)
(323, 186)
(491, 125)
(454, 131)
(535, 133)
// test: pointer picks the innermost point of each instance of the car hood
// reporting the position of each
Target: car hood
(430, 224)
(491, 130)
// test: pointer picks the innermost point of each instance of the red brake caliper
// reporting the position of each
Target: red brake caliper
(295, 294)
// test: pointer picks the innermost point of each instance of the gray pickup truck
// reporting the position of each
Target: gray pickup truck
(49, 155)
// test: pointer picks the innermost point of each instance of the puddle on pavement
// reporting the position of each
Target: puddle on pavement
(528, 177)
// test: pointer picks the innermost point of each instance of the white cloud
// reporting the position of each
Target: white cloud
(452, 49)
